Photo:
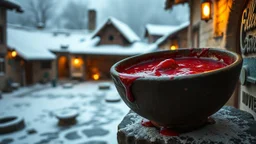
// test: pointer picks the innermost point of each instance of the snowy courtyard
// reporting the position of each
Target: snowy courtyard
(96, 123)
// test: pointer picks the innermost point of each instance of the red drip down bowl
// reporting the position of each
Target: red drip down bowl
(181, 101)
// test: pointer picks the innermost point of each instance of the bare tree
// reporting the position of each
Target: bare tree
(75, 15)
(40, 11)
(138, 13)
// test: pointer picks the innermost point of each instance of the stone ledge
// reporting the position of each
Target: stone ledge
(232, 126)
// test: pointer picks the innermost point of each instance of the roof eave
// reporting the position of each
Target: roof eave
(11, 6)
(170, 3)
(164, 38)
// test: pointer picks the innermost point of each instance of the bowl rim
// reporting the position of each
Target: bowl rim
(238, 60)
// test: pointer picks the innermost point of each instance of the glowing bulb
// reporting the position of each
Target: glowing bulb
(14, 53)
(206, 10)
(76, 61)
(173, 47)
(95, 76)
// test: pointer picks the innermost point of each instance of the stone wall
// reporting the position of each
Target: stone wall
(15, 71)
(41, 74)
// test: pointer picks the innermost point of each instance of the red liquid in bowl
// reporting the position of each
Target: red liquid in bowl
(166, 68)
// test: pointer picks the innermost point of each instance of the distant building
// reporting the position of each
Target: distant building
(66, 54)
(32, 61)
(177, 38)
(154, 32)
(4, 57)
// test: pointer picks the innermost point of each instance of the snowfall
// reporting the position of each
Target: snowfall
(96, 124)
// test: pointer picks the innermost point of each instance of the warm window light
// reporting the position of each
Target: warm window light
(173, 47)
(95, 76)
(206, 10)
(76, 61)
(14, 54)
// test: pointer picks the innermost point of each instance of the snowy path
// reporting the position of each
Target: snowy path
(96, 124)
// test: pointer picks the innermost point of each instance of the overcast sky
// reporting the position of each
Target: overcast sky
(136, 13)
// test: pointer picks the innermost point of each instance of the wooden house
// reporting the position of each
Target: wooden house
(4, 70)
(230, 25)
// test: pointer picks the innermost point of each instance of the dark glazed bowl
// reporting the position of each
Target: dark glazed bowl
(185, 100)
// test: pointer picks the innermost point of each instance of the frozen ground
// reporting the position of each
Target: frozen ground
(96, 124)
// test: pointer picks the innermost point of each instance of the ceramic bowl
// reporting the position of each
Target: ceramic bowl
(183, 101)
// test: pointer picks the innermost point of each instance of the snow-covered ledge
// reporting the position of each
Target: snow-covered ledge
(232, 126)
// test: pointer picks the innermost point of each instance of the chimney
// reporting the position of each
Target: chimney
(92, 19)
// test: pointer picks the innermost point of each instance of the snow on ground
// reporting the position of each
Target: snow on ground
(97, 120)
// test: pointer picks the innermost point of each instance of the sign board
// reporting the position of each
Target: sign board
(248, 50)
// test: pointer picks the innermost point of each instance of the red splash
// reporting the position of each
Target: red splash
(146, 123)
(127, 81)
(163, 131)
(168, 132)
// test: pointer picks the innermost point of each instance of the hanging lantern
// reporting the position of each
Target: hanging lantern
(13, 54)
(206, 10)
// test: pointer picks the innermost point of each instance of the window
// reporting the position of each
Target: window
(2, 66)
(110, 37)
(1, 34)
(46, 65)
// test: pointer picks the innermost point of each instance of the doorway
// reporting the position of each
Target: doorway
(28, 73)
(63, 67)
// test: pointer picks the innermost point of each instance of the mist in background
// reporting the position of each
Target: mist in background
(73, 14)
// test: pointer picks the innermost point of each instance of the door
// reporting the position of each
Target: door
(63, 67)
(28, 73)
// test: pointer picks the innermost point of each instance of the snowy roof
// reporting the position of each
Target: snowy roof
(133, 49)
(124, 29)
(12, 5)
(159, 30)
(178, 29)
(33, 44)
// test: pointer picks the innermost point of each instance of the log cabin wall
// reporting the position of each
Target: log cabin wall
(110, 35)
